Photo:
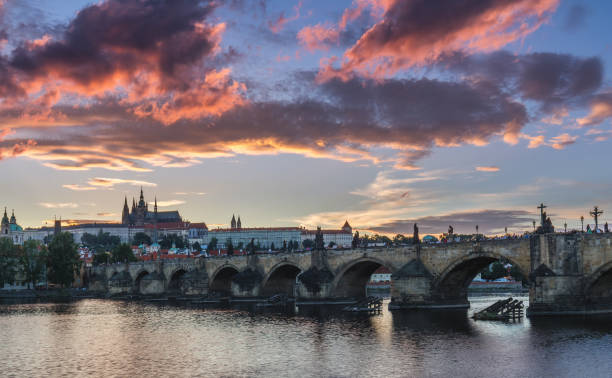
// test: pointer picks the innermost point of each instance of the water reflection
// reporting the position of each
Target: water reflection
(97, 337)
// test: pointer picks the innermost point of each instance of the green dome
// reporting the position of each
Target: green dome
(15, 227)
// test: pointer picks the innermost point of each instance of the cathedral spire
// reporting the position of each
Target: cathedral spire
(155, 208)
(233, 223)
(125, 214)
(13, 219)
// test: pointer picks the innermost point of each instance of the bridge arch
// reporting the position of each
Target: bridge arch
(452, 284)
(598, 287)
(351, 278)
(138, 280)
(175, 284)
(221, 279)
(280, 279)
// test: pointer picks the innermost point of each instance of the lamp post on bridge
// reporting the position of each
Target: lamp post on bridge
(533, 225)
(477, 237)
(565, 225)
(595, 214)
(582, 223)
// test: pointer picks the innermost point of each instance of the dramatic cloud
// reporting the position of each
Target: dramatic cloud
(488, 221)
(552, 80)
(488, 168)
(157, 56)
(344, 120)
(418, 32)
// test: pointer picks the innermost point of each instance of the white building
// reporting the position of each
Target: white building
(342, 238)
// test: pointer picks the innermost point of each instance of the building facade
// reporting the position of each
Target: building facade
(10, 229)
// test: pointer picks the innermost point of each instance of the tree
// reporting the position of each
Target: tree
(284, 246)
(212, 244)
(356, 241)
(272, 246)
(63, 259)
(197, 247)
(331, 244)
(8, 261)
(142, 238)
(308, 243)
(101, 258)
(494, 271)
(32, 259)
(230, 247)
(101, 242)
(516, 273)
(123, 253)
(169, 239)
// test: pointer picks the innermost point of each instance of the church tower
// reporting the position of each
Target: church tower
(239, 223)
(125, 214)
(233, 223)
(13, 219)
(5, 223)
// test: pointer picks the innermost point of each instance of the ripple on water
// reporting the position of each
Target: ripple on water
(98, 337)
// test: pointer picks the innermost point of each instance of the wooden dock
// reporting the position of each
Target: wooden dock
(369, 304)
(507, 309)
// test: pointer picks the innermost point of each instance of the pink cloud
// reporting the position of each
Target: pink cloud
(413, 33)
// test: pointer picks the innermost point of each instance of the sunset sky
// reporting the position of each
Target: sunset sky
(308, 112)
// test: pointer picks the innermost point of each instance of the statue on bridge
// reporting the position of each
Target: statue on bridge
(546, 226)
(451, 230)
(319, 242)
(415, 235)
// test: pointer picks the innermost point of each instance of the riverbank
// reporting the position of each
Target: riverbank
(50, 294)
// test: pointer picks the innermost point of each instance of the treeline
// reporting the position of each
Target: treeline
(33, 262)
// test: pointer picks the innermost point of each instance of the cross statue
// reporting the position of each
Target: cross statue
(542, 219)
(596, 213)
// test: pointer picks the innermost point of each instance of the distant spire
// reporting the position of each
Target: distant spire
(238, 223)
(5, 219)
(233, 222)
(155, 208)
(141, 194)
(13, 220)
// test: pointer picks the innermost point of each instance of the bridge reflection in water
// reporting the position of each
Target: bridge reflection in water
(568, 273)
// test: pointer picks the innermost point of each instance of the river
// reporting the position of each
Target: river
(94, 337)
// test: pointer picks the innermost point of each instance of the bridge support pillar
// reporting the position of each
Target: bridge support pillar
(557, 278)
(153, 284)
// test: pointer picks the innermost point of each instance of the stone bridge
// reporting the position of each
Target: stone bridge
(568, 273)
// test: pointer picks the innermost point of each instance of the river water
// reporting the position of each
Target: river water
(113, 338)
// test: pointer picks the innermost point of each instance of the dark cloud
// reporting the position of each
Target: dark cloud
(161, 57)
(418, 32)
(576, 17)
(488, 221)
(122, 36)
(548, 78)
(342, 120)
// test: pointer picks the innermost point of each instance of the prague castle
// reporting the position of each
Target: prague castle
(140, 214)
